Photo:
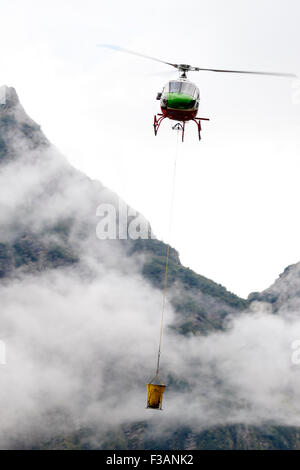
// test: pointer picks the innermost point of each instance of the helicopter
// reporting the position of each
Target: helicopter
(179, 99)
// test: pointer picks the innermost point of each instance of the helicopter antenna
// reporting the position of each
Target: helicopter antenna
(184, 68)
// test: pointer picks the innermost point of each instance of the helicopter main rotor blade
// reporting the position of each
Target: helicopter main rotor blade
(189, 68)
(274, 74)
(121, 49)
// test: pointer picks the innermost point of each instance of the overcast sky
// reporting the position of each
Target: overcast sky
(236, 214)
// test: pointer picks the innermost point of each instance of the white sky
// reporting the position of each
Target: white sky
(236, 216)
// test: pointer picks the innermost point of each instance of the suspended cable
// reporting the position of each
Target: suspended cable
(168, 253)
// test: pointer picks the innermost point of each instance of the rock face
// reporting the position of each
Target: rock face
(16, 127)
(83, 313)
(284, 295)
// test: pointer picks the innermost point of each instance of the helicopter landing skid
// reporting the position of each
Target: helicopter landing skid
(157, 121)
(179, 126)
(198, 122)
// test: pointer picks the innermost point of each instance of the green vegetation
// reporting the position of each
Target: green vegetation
(5, 260)
(270, 297)
(58, 255)
(136, 437)
(29, 130)
(7, 121)
(3, 148)
(29, 250)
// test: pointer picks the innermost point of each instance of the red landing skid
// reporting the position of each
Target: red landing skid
(160, 117)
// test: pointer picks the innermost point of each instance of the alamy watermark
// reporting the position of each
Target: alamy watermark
(121, 223)
(295, 357)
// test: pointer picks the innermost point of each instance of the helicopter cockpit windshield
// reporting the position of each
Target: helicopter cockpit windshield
(180, 95)
(186, 88)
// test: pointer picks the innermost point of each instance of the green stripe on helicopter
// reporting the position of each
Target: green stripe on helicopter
(180, 101)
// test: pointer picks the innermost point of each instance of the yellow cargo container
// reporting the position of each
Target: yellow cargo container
(155, 395)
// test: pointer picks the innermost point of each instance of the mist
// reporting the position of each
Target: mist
(82, 352)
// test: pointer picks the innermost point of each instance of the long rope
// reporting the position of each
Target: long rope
(167, 256)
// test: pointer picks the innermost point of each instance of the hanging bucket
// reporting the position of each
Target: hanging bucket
(155, 394)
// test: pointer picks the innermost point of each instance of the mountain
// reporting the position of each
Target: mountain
(283, 296)
(80, 318)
